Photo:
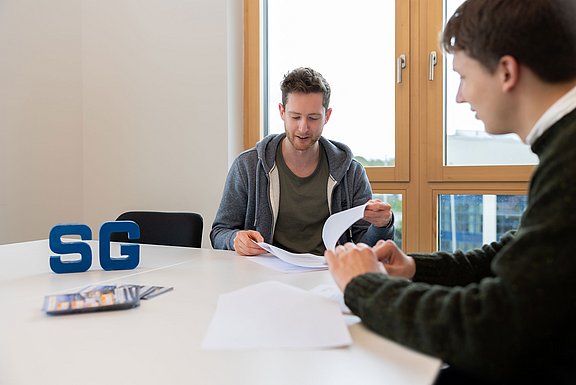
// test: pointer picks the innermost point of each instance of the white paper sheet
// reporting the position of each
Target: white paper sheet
(338, 223)
(277, 264)
(332, 292)
(303, 259)
(273, 315)
(333, 228)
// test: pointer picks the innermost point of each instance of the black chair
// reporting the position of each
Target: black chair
(163, 228)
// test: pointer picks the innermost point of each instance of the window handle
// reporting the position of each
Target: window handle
(400, 65)
(432, 63)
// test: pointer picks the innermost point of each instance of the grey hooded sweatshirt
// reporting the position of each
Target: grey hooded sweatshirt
(252, 194)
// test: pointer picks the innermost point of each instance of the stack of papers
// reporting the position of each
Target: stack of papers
(333, 228)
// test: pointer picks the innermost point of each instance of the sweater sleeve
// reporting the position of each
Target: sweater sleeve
(231, 214)
(363, 231)
(457, 325)
(459, 268)
(502, 311)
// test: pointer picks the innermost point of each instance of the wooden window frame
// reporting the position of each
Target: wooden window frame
(419, 173)
(252, 52)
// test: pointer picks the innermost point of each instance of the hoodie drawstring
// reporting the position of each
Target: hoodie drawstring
(348, 204)
(257, 200)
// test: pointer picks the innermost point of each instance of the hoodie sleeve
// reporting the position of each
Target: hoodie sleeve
(231, 214)
(363, 231)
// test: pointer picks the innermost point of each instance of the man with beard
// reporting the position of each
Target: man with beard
(283, 190)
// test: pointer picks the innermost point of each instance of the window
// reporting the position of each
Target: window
(431, 165)
(395, 201)
(469, 221)
(362, 86)
(463, 131)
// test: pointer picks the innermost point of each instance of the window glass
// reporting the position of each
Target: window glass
(395, 201)
(466, 142)
(469, 221)
(353, 48)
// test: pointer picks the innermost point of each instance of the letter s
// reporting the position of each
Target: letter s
(57, 246)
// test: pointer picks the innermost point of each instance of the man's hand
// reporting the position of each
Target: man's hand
(244, 242)
(350, 260)
(397, 263)
(378, 213)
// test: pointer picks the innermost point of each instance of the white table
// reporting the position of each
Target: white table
(159, 342)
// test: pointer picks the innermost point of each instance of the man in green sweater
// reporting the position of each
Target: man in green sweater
(505, 313)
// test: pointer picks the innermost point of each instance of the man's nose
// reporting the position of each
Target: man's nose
(459, 98)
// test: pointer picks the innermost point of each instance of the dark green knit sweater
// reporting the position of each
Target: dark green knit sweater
(507, 311)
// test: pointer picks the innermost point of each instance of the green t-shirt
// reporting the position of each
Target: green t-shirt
(303, 207)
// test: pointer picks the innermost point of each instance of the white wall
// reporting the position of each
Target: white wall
(158, 108)
(40, 117)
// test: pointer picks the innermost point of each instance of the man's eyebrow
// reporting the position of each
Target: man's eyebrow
(299, 113)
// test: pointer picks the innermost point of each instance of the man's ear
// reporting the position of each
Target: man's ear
(281, 109)
(509, 72)
(328, 113)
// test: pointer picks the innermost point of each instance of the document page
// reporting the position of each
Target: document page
(333, 228)
(274, 315)
(338, 223)
(275, 263)
(303, 260)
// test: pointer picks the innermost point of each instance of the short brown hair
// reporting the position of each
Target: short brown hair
(306, 81)
(540, 34)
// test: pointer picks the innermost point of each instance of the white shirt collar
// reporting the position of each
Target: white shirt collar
(553, 114)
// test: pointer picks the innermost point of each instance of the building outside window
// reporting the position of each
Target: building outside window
(469, 221)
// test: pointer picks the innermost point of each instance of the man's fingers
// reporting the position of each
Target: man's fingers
(379, 244)
(251, 244)
(378, 206)
(255, 236)
(245, 242)
(385, 250)
(330, 257)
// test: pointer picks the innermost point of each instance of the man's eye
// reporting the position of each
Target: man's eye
(314, 118)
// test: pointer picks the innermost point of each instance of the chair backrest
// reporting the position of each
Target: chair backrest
(164, 228)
